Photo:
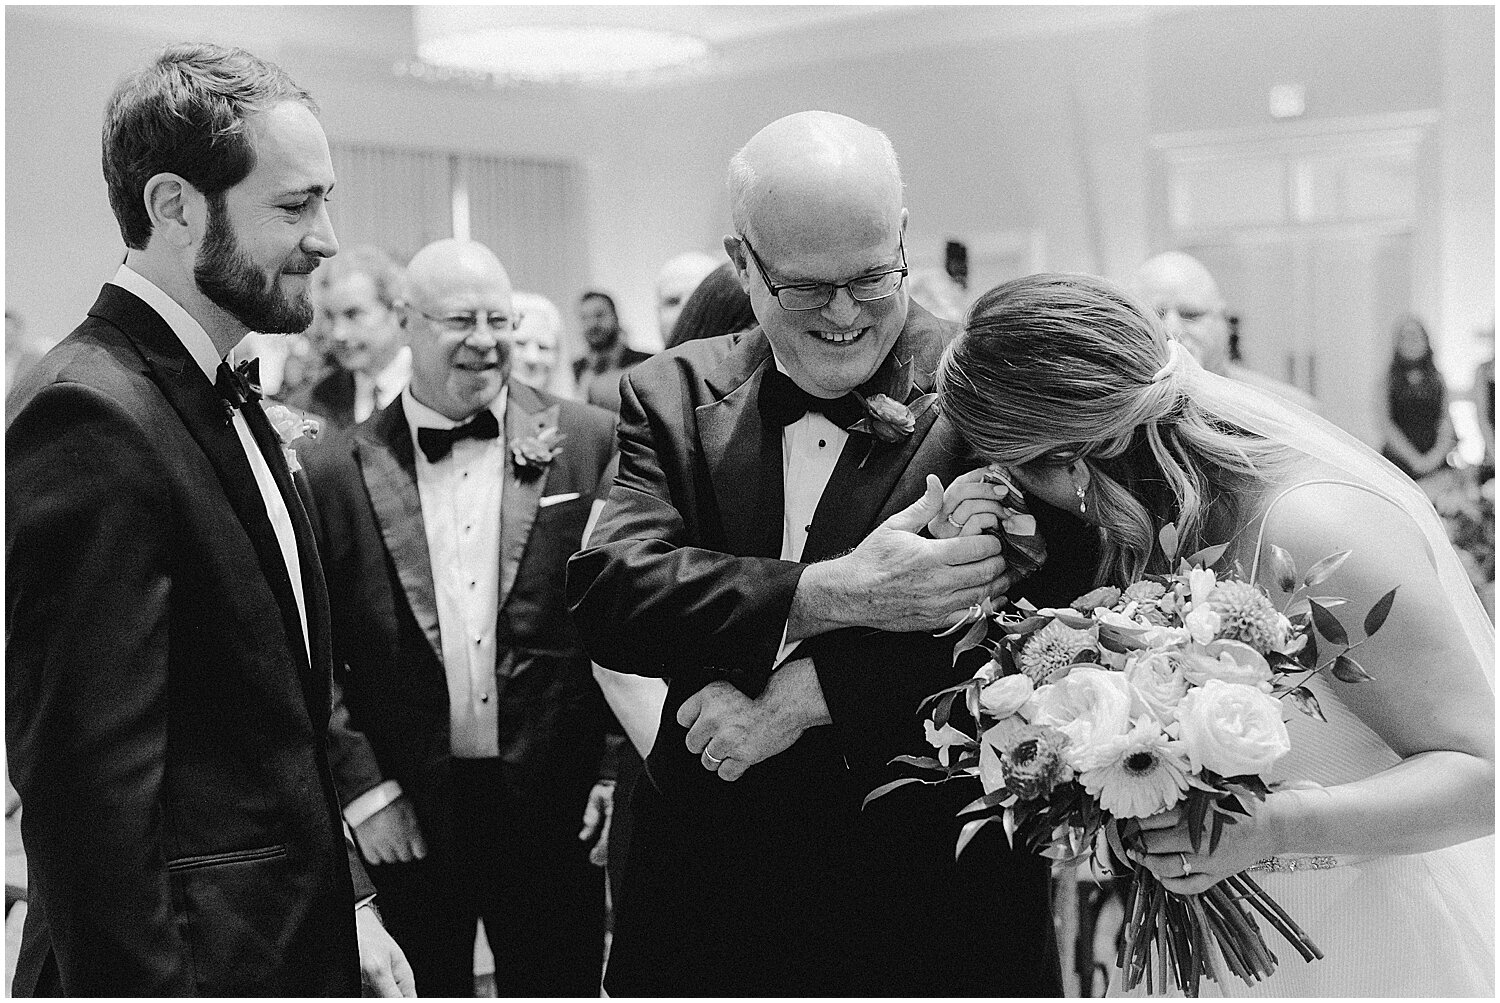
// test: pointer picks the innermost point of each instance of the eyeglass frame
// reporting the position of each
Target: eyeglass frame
(833, 287)
(511, 323)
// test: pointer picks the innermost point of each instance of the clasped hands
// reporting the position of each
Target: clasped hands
(894, 580)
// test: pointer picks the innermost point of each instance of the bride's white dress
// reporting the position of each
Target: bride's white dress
(1415, 925)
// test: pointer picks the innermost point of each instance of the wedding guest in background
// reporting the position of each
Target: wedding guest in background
(469, 739)
(751, 529)
(1374, 838)
(718, 306)
(597, 372)
(534, 342)
(356, 298)
(22, 348)
(167, 649)
(1187, 299)
(1419, 432)
(675, 283)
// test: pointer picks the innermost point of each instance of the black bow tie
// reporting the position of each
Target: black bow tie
(240, 385)
(782, 402)
(437, 443)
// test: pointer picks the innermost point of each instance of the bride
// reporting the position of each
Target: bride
(1373, 838)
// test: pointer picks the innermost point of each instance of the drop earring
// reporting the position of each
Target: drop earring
(1083, 505)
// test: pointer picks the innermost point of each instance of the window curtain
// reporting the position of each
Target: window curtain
(398, 200)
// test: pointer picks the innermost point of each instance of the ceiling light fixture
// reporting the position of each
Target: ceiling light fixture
(496, 42)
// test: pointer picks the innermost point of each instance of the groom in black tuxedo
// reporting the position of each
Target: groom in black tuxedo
(760, 548)
(167, 641)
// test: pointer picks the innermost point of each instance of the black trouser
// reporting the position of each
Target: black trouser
(509, 853)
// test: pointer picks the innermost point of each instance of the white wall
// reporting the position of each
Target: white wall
(1048, 132)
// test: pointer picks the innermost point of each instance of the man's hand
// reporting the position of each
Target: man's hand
(382, 965)
(596, 818)
(898, 581)
(730, 733)
(391, 835)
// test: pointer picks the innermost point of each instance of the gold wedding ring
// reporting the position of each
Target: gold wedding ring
(712, 758)
(949, 520)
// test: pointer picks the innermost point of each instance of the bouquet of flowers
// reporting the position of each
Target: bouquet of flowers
(1167, 693)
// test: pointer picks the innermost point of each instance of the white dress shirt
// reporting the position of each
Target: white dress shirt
(461, 514)
(202, 350)
(810, 448)
(371, 393)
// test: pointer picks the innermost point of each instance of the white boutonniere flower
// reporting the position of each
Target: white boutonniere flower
(290, 426)
(532, 454)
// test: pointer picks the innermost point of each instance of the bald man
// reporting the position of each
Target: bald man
(1187, 299)
(760, 549)
(469, 742)
(676, 282)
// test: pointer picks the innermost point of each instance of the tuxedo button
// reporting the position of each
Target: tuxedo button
(822, 443)
(484, 698)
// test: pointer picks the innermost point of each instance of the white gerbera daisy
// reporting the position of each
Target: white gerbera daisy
(1147, 776)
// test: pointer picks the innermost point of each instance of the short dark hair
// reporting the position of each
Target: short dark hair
(594, 294)
(718, 306)
(185, 114)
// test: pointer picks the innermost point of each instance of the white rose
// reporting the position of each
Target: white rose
(1158, 680)
(1203, 624)
(1231, 729)
(1005, 695)
(1229, 662)
(1091, 707)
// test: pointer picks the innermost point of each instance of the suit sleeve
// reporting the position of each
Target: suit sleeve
(88, 585)
(646, 598)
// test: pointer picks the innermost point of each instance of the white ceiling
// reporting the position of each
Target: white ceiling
(748, 38)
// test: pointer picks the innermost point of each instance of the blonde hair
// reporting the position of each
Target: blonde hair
(1061, 368)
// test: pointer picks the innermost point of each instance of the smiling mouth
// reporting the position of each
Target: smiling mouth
(839, 337)
(477, 367)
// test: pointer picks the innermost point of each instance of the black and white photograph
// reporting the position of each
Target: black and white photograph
(740, 501)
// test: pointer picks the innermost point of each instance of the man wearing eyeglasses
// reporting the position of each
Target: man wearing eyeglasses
(469, 740)
(761, 549)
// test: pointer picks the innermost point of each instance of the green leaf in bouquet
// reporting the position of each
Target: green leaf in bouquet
(1284, 568)
(975, 636)
(988, 802)
(934, 698)
(1216, 831)
(1303, 700)
(922, 762)
(1121, 639)
(1198, 805)
(1169, 540)
(971, 700)
(944, 709)
(1328, 625)
(1208, 556)
(1319, 573)
(885, 789)
(968, 832)
(1026, 626)
(1350, 671)
(1375, 619)
(1308, 656)
(1068, 618)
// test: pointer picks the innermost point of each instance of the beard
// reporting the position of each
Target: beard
(226, 274)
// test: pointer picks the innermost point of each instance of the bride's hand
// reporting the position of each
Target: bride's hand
(1165, 848)
(971, 505)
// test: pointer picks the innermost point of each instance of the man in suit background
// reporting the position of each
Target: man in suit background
(356, 299)
(167, 644)
(471, 735)
(597, 373)
(760, 550)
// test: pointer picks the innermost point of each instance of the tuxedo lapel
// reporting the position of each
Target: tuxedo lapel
(387, 463)
(525, 415)
(204, 415)
(868, 470)
(742, 453)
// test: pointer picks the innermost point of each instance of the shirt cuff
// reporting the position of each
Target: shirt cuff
(371, 801)
(785, 651)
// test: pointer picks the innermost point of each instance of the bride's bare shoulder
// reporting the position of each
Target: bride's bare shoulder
(1314, 510)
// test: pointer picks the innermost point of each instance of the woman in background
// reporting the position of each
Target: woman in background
(1419, 433)
(1078, 393)
(719, 305)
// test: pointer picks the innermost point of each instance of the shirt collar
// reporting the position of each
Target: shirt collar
(188, 330)
(391, 380)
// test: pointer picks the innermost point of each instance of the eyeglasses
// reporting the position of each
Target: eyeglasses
(468, 323)
(817, 295)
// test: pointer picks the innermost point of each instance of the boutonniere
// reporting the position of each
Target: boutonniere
(290, 426)
(886, 418)
(532, 454)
